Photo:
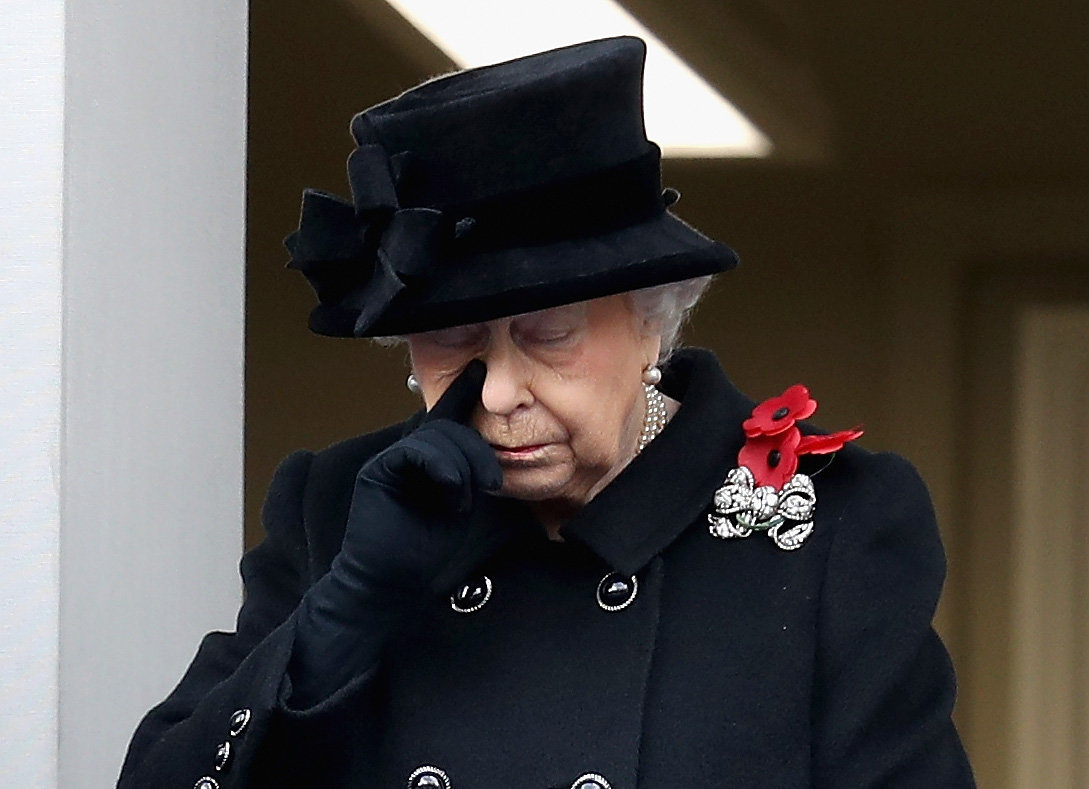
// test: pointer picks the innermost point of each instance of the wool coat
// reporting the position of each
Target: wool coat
(734, 663)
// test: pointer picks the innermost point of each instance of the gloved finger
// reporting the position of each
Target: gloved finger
(456, 462)
(451, 479)
(460, 398)
(486, 472)
(429, 469)
(422, 462)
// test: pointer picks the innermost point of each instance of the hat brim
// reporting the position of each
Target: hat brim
(490, 284)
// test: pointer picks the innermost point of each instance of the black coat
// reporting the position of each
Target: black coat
(737, 664)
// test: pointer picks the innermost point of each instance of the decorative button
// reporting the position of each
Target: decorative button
(472, 596)
(427, 777)
(239, 721)
(206, 783)
(616, 591)
(223, 756)
(591, 781)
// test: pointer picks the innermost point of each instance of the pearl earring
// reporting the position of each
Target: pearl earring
(652, 375)
(413, 383)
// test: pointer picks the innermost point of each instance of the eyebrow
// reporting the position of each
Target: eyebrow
(565, 311)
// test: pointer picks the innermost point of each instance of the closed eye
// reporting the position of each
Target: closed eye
(550, 338)
(550, 328)
(456, 337)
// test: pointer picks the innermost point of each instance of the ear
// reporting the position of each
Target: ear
(651, 342)
(649, 333)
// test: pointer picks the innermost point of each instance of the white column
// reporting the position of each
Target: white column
(31, 185)
(155, 121)
(121, 329)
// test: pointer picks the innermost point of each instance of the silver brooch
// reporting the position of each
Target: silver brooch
(741, 508)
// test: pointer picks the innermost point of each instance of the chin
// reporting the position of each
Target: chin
(534, 484)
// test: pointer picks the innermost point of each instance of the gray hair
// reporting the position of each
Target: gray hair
(665, 307)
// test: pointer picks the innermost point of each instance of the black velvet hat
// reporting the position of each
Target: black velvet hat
(496, 191)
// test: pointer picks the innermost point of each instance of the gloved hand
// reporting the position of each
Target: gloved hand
(408, 515)
(411, 501)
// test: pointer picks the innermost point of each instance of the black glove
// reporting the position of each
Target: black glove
(408, 516)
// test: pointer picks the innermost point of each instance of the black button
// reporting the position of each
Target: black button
(590, 781)
(780, 413)
(616, 591)
(428, 777)
(206, 783)
(223, 756)
(239, 721)
(472, 596)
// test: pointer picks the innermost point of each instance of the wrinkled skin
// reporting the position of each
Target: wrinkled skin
(562, 404)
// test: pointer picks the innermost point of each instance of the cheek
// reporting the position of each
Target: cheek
(616, 396)
(595, 401)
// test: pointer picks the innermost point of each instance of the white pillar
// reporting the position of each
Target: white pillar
(122, 334)
(31, 185)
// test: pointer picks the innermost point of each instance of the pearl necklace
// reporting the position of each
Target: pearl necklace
(654, 417)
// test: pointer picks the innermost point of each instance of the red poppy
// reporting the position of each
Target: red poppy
(833, 442)
(778, 414)
(772, 459)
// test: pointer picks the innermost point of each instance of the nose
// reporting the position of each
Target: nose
(507, 384)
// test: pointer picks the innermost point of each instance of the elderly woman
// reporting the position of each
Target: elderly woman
(588, 562)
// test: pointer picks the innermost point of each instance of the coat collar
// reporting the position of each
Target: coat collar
(657, 496)
(664, 490)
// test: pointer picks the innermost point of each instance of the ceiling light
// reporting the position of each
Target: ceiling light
(684, 115)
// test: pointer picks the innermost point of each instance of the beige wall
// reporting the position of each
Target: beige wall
(864, 277)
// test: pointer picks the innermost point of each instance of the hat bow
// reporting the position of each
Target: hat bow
(360, 254)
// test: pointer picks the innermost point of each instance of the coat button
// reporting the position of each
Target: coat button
(591, 781)
(206, 783)
(223, 756)
(239, 721)
(472, 596)
(427, 777)
(616, 591)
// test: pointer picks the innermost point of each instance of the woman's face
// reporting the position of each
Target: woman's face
(562, 403)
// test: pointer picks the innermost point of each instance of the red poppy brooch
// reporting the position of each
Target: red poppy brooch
(766, 492)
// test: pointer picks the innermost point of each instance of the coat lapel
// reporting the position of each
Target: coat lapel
(667, 487)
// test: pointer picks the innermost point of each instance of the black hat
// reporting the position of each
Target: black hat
(496, 191)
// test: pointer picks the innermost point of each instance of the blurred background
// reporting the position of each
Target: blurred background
(912, 217)
(915, 248)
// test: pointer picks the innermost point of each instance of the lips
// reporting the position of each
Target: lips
(517, 451)
(521, 448)
(520, 453)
